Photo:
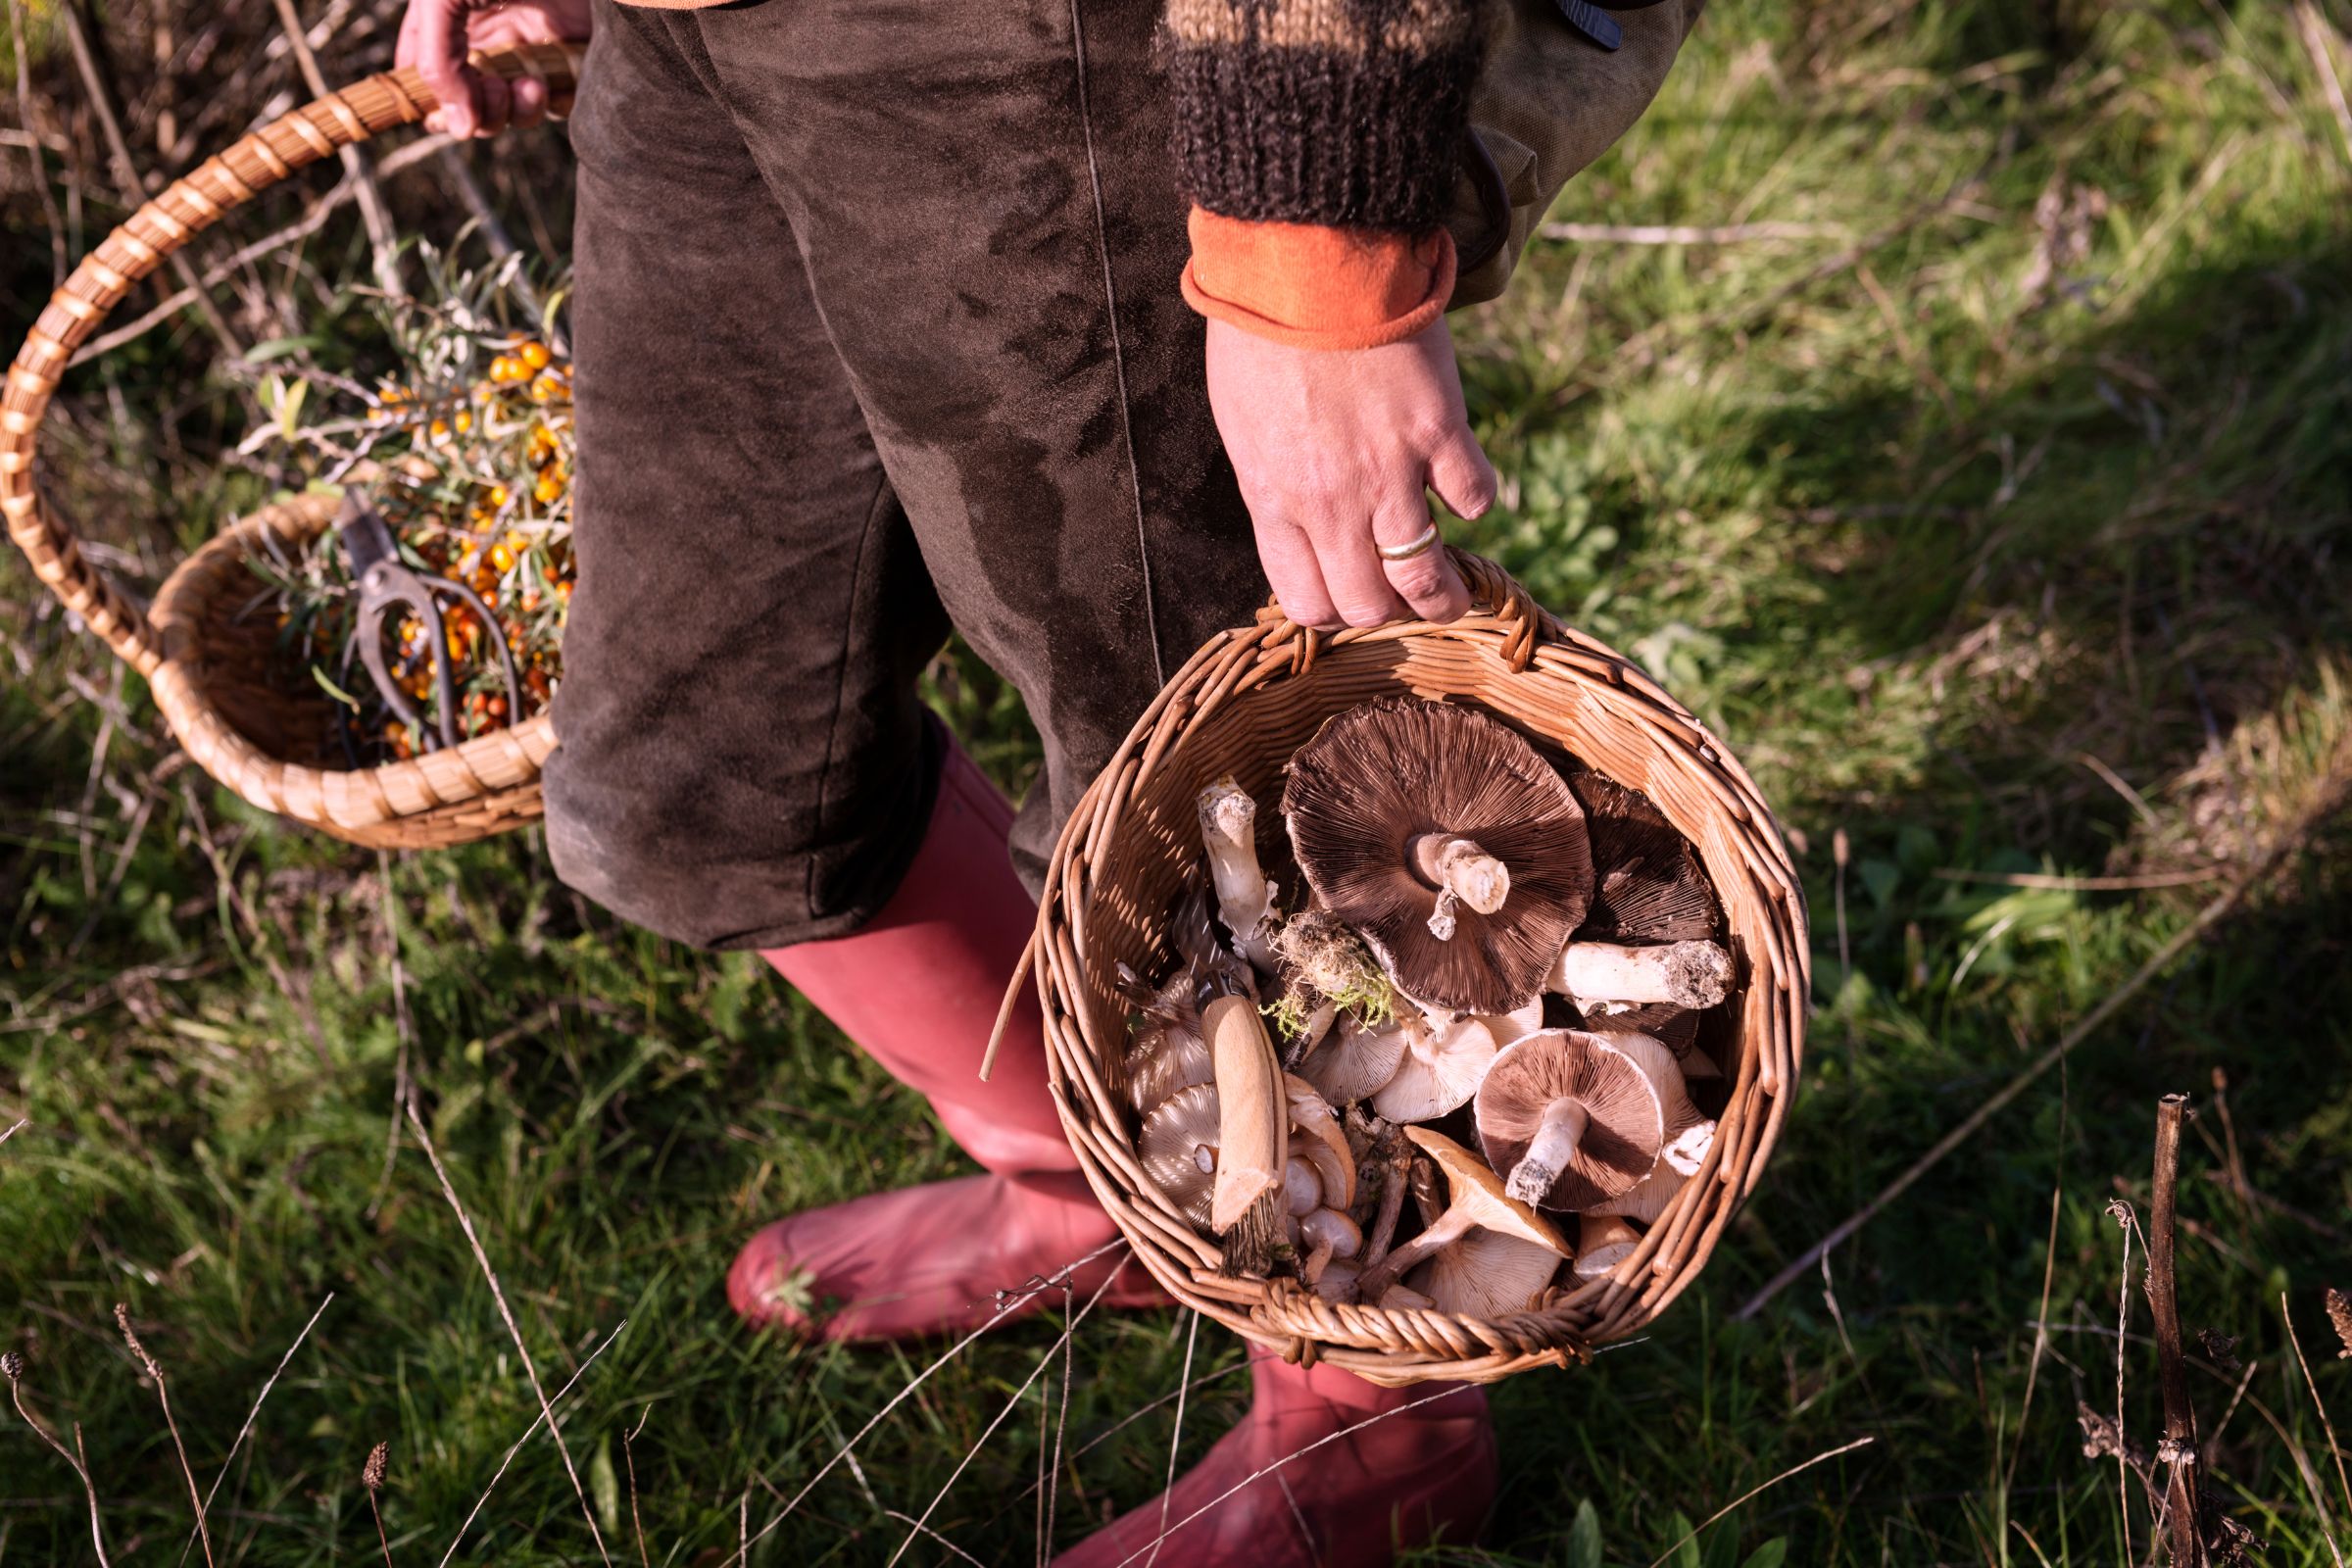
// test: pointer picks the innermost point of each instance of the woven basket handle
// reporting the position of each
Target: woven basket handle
(164, 225)
(1498, 602)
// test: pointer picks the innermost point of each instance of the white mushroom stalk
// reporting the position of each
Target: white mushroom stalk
(1327, 1234)
(1683, 974)
(1244, 897)
(1462, 874)
(1556, 1137)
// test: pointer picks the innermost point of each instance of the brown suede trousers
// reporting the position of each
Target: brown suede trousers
(878, 331)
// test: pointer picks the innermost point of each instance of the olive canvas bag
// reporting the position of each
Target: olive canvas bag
(1550, 100)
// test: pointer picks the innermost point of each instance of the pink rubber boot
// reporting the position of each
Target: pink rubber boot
(1423, 1474)
(918, 988)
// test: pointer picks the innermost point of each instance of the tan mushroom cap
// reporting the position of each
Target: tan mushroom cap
(1379, 779)
(1165, 1058)
(1602, 1241)
(1325, 1147)
(1623, 1104)
(1478, 1191)
(1357, 1060)
(1178, 1148)
(1486, 1275)
(1442, 1068)
(1650, 886)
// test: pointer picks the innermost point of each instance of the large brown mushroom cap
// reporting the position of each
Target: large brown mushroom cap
(1486, 1275)
(1650, 886)
(1380, 778)
(1623, 1105)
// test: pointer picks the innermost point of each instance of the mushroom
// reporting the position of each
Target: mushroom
(1486, 1274)
(1476, 1201)
(1244, 897)
(1325, 1146)
(1178, 1147)
(1326, 1233)
(1301, 1188)
(1517, 1024)
(1336, 1282)
(1442, 1068)
(1575, 1118)
(1399, 1297)
(1650, 886)
(1687, 974)
(1675, 1028)
(1602, 1241)
(1328, 970)
(1250, 1126)
(1167, 1053)
(1443, 838)
(1357, 1060)
(1690, 1134)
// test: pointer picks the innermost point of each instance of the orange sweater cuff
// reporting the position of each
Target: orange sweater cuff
(1314, 287)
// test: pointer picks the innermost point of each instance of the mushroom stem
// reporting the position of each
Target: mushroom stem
(1461, 872)
(1245, 898)
(1549, 1152)
(1450, 1226)
(1392, 1207)
(1686, 974)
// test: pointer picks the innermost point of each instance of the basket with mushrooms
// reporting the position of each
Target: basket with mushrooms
(1422, 999)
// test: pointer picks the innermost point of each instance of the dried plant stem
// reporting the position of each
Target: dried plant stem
(2335, 1450)
(382, 242)
(513, 1330)
(253, 1414)
(1184, 1382)
(1798, 1469)
(163, 1396)
(546, 1415)
(14, 1366)
(2127, 1221)
(58, 260)
(628, 1458)
(2184, 1503)
(15, 1127)
(2322, 803)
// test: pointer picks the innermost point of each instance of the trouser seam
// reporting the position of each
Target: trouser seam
(1119, 357)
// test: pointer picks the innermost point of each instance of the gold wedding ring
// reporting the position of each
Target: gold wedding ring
(1406, 551)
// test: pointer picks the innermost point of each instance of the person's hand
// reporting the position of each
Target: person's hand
(1335, 450)
(435, 35)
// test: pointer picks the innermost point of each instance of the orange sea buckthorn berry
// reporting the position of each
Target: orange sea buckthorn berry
(534, 355)
(439, 429)
(530, 599)
(502, 559)
(550, 488)
(498, 495)
(563, 591)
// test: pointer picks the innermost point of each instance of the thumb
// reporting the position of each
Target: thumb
(439, 44)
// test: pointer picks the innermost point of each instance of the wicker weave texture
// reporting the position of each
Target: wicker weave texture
(1240, 705)
(198, 655)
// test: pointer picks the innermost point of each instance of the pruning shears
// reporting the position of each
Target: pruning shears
(387, 589)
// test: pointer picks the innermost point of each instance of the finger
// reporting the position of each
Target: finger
(1461, 474)
(528, 96)
(1351, 571)
(1291, 572)
(440, 59)
(1426, 581)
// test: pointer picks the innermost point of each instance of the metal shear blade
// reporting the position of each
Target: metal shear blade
(385, 589)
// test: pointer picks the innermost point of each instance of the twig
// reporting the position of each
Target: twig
(1684, 234)
(403, 1026)
(254, 1414)
(513, 1330)
(2315, 42)
(2080, 884)
(1858, 1443)
(1840, 852)
(12, 1367)
(382, 242)
(2322, 803)
(1011, 1302)
(163, 1397)
(2184, 1503)
(58, 262)
(1058, 1347)
(1184, 1382)
(126, 169)
(18, 1126)
(2334, 1448)
(2120, 1212)
(921, 1528)
(628, 1458)
(546, 1415)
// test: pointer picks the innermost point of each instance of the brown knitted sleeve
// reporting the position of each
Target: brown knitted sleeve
(1346, 112)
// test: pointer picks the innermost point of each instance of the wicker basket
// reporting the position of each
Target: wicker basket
(1241, 705)
(208, 667)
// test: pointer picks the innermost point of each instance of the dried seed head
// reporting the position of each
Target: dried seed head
(2340, 1313)
(380, 1460)
(2220, 1348)
(12, 1365)
(132, 1339)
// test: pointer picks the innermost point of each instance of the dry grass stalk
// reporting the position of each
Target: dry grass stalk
(1794, 1469)
(254, 1414)
(2335, 1450)
(163, 1397)
(2186, 1509)
(2315, 33)
(498, 1294)
(546, 1415)
(371, 1475)
(13, 1368)
(628, 1458)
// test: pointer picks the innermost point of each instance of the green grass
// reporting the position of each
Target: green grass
(1920, 545)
